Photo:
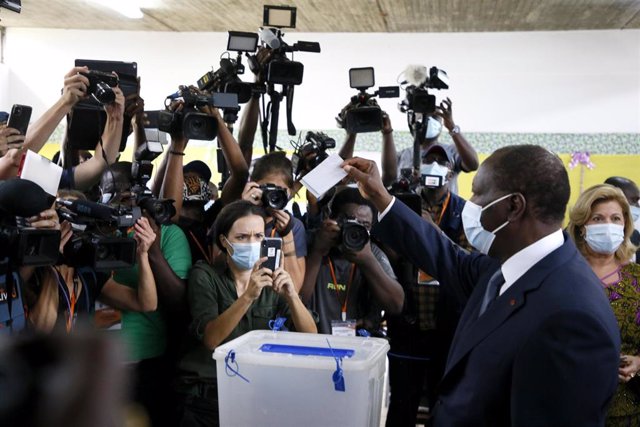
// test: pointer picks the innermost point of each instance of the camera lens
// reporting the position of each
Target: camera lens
(104, 94)
(354, 236)
(275, 198)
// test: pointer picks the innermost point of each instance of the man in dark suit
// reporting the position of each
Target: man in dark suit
(537, 344)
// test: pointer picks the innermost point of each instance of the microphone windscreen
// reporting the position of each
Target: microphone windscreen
(91, 209)
(21, 197)
(415, 74)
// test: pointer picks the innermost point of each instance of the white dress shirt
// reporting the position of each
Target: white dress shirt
(521, 262)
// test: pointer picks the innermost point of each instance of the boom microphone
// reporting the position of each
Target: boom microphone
(267, 36)
(88, 209)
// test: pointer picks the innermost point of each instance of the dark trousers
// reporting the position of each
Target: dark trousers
(198, 407)
(152, 390)
(408, 374)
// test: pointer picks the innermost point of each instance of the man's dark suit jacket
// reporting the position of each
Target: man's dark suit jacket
(545, 353)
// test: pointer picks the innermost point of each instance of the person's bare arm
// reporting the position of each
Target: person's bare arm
(389, 155)
(468, 155)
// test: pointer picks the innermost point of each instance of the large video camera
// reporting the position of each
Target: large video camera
(280, 69)
(160, 210)
(226, 78)
(21, 244)
(190, 121)
(311, 153)
(99, 240)
(418, 99)
(363, 113)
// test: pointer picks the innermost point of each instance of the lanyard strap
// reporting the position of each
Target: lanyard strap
(273, 230)
(335, 286)
(70, 297)
(444, 208)
(200, 248)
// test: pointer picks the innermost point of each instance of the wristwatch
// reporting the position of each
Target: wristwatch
(455, 130)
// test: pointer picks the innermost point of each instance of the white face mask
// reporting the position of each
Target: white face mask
(434, 127)
(434, 175)
(604, 238)
(477, 236)
(635, 213)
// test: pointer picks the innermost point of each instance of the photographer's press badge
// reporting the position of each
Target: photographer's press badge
(343, 328)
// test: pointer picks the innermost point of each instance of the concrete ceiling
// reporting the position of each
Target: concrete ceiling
(336, 15)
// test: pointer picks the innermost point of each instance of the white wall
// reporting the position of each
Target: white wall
(578, 81)
(5, 104)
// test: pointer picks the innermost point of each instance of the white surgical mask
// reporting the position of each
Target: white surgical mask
(604, 238)
(434, 127)
(245, 255)
(635, 210)
(477, 236)
(434, 169)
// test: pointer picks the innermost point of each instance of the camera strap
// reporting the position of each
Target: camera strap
(343, 304)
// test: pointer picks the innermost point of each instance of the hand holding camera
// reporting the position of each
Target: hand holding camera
(326, 237)
(115, 109)
(445, 111)
(144, 235)
(269, 196)
(75, 86)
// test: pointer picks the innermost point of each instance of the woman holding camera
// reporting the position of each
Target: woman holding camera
(601, 224)
(228, 302)
(272, 176)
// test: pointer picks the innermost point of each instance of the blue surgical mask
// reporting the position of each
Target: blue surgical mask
(604, 238)
(434, 127)
(635, 213)
(245, 255)
(477, 236)
(434, 170)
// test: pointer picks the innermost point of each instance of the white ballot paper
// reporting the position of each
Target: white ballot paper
(42, 171)
(324, 176)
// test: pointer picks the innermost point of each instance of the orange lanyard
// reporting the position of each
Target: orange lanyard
(72, 307)
(273, 230)
(335, 286)
(71, 297)
(202, 251)
(444, 208)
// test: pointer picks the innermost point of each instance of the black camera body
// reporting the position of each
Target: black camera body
(418, 99)
(353, 235)
(225, 79)
(101, 253)
(280, 69)
(99, 240)
(160, 210)
(101, 86)
(363, 113)
(29, 246)
(192, 123)
(313, 152)
(274, 197)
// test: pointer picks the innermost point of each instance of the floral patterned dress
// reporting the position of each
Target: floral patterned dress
(624, 297)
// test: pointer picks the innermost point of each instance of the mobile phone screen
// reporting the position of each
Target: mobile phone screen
(272, 249)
